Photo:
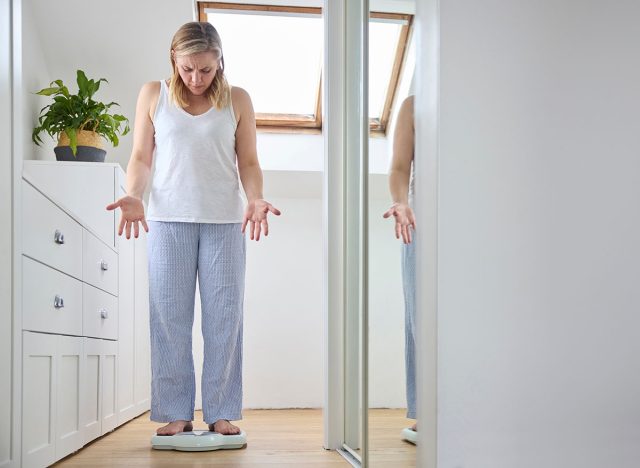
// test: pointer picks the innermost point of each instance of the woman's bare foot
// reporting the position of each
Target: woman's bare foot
(222, 426)
(414, 427)
(174, 427)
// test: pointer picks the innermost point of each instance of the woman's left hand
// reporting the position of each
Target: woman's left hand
(256, 214)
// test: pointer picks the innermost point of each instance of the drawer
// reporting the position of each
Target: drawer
(51, 301)
(99, 264)
(49, 234)
(100, 313)
(84, 189)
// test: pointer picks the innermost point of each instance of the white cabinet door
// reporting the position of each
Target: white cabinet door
(126, 332)
(91, 390)
(69, 435)
(38, 399)
(142, 346)
(99, 401)
(109, 367)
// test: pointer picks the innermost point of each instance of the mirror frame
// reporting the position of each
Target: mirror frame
(345, 193)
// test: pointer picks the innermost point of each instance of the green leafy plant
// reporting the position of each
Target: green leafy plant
(70, 113)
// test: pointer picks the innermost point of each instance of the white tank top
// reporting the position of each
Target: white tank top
(196, 177)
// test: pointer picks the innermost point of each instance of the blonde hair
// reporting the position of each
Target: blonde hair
(193, 38)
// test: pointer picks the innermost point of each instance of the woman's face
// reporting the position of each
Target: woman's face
(197, 71)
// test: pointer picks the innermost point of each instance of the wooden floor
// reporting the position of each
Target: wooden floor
(386, 448)
(276, 438)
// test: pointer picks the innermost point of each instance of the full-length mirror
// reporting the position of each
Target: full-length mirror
(355, 231)
(391, 253)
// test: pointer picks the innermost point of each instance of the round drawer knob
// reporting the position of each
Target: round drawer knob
(104, 313)
(58, 302)
(104, 266)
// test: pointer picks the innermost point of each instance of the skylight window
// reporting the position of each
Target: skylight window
(279, 66)
(275, 53)
(388, 37)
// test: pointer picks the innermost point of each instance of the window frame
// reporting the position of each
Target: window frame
(378, 126)
(277, 122)
(300, 123)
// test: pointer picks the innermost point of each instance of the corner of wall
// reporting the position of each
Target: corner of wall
(35, 75)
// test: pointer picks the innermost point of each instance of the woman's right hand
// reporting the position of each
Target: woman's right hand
(405, 220)
(132, 213)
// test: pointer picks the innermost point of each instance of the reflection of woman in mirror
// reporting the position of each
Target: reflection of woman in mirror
(401, 188)
(202, 134)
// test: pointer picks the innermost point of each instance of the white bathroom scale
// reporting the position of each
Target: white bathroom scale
(199, 441)
(409, 435)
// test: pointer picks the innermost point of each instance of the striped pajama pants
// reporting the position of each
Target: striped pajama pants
(179, 253)
(409, 287)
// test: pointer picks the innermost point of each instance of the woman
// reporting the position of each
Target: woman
(202, 134)
(401, 188)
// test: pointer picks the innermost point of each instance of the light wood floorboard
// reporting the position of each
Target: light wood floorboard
(386, 448)
(276, 438)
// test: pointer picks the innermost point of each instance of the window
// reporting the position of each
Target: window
(388, 39)
(275, 53)
(279, 66)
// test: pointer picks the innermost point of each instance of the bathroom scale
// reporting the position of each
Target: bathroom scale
(199, 441)
(409, 435)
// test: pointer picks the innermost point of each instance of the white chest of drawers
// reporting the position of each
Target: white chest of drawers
(84, 311)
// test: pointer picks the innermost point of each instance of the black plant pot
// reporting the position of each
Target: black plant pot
(84, 154)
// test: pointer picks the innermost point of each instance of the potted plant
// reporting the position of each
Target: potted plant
(79, 122)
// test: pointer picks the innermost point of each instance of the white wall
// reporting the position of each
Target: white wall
(539, 259)
(128, 57)
(35, 75)
(283, 303)
(283, 341)
(386, 305)
(6, 237)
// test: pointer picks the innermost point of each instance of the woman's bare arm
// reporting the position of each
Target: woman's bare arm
(403, 147)
(139, 167)
(249, 166)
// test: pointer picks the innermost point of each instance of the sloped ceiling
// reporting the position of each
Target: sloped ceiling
(126, 42)
(127, 39)
(124, 39)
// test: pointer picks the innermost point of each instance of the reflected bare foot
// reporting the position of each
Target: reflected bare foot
(222, 426)
(414, 427)
(174, 427)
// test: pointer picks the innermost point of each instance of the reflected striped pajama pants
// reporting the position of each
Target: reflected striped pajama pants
(177, 253)
(409, 287)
